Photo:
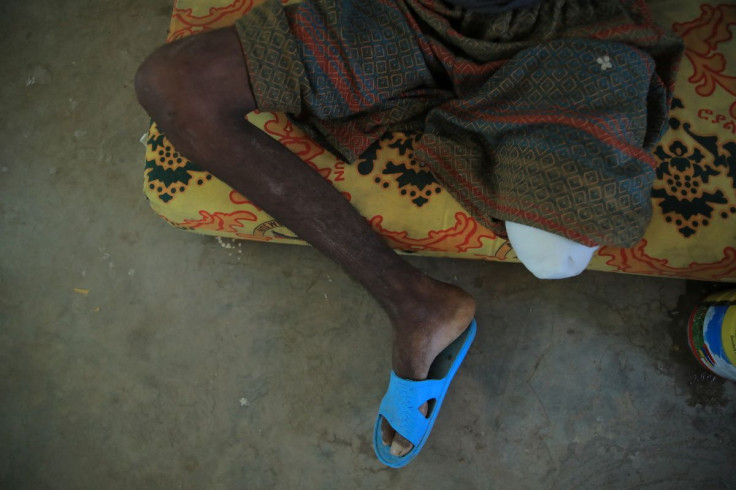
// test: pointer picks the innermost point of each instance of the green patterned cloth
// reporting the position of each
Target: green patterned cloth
(544, 116)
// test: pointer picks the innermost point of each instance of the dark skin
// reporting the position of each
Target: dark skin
(198, 92)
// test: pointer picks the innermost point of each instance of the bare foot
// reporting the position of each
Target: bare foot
(422, 330)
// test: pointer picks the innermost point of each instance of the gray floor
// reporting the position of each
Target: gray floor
(193, 366)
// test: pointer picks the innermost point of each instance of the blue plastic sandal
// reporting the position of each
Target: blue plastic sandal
(400, 405)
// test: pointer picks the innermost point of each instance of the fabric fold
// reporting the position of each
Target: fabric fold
(545, 116)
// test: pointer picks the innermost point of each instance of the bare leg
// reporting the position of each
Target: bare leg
(198, 92)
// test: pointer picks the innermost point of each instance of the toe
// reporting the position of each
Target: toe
(387, 432)
(400, 446)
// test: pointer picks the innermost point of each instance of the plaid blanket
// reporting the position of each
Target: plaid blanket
(544, 116)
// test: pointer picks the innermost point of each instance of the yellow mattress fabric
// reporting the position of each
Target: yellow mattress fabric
(692, 233)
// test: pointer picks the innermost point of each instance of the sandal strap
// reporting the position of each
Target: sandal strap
(400, 405)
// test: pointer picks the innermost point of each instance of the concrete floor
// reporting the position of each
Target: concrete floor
(193, 366)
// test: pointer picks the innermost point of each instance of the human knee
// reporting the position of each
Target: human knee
(200, 74)
(546, 255)
(153, 84)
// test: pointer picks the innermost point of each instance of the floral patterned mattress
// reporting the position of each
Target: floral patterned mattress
(693, 229)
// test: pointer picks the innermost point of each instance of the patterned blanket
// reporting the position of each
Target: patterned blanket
(692, 232)
(544, 116)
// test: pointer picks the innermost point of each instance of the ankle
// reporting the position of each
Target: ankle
(430, 302)
(407, 297)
